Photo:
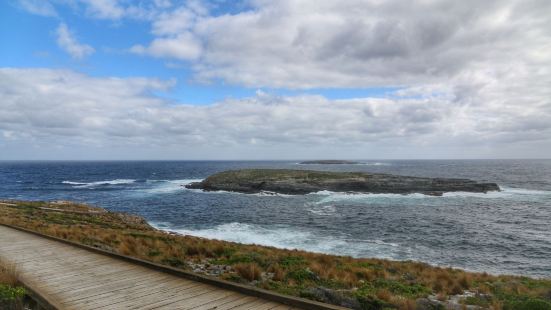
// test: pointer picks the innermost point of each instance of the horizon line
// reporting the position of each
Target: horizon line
(265, 160)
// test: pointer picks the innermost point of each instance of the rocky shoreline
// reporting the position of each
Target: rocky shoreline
(299, 182)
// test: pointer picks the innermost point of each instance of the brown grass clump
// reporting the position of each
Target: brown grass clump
(8, 274)
(249, 271)
(384, 294)
(279, 273)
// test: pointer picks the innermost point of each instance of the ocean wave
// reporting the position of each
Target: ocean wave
(73, 183)
(269, 194)
(99, 183)
(505, 193)
(374, 164)
(524, 191)
(330, 196)
(292, 238)
(168, 186)
(334, 197)
(260, 194)
(323, 210)
(351, 164)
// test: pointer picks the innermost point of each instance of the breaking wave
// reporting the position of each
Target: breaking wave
(322, 210)
(168, 186)
(292, 238)
(374, 164)
(505, 193)
(351, 164)
(99, 183)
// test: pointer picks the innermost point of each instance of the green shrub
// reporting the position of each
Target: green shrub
(173, 262)
(477, 301)
(370, 303)
(9, 293)
(289, 261)
(399, 288)
(529, 304)
(302, 275)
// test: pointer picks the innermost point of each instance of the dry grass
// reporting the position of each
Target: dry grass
(248, 271)
(394, 283)
(8, 274)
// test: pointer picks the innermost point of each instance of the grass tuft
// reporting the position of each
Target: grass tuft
(248, 271)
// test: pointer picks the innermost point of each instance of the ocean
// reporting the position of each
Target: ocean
(507, 232)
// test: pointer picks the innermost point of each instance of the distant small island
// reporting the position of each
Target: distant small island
(297, 182)
(329, 162)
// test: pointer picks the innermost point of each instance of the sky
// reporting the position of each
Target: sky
(288, 79)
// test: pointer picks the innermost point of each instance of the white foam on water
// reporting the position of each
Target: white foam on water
(99, 183)
(160, 225)
(267, 194)
(327, 210)
(332, 197)
(524, 191)
(374, 164)
(291, 238)
(349, 164)
(506, 193)
(168, 186)
(73, 183)
(260, 194)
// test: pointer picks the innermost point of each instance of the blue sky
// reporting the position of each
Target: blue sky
(34, 45)
(259, 79)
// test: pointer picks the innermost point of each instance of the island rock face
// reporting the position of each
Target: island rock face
(296, 182)
(329, 162)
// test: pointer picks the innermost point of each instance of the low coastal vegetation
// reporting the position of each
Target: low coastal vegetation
(355, 283)
(11, 292)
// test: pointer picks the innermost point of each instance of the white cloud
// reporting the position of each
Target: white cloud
(184, 46)
(175, 40)
(305, 44)
(474, 77)
(67, 41)
(55, 107)
(109, 9)
(117, 10)
(38, 7)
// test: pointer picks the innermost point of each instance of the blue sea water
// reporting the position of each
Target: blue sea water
(507, 232)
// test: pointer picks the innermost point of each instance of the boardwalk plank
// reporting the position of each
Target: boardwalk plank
(128, 300)
(236, 303)
(80, 279)
(217, 304)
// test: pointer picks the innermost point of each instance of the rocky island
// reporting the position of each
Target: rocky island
(297, 182)
(329, 162)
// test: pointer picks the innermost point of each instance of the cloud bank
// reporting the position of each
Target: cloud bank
(58, 107)
(473, 80)
(304, 44)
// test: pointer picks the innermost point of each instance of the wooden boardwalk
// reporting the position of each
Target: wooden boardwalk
(75, 278)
